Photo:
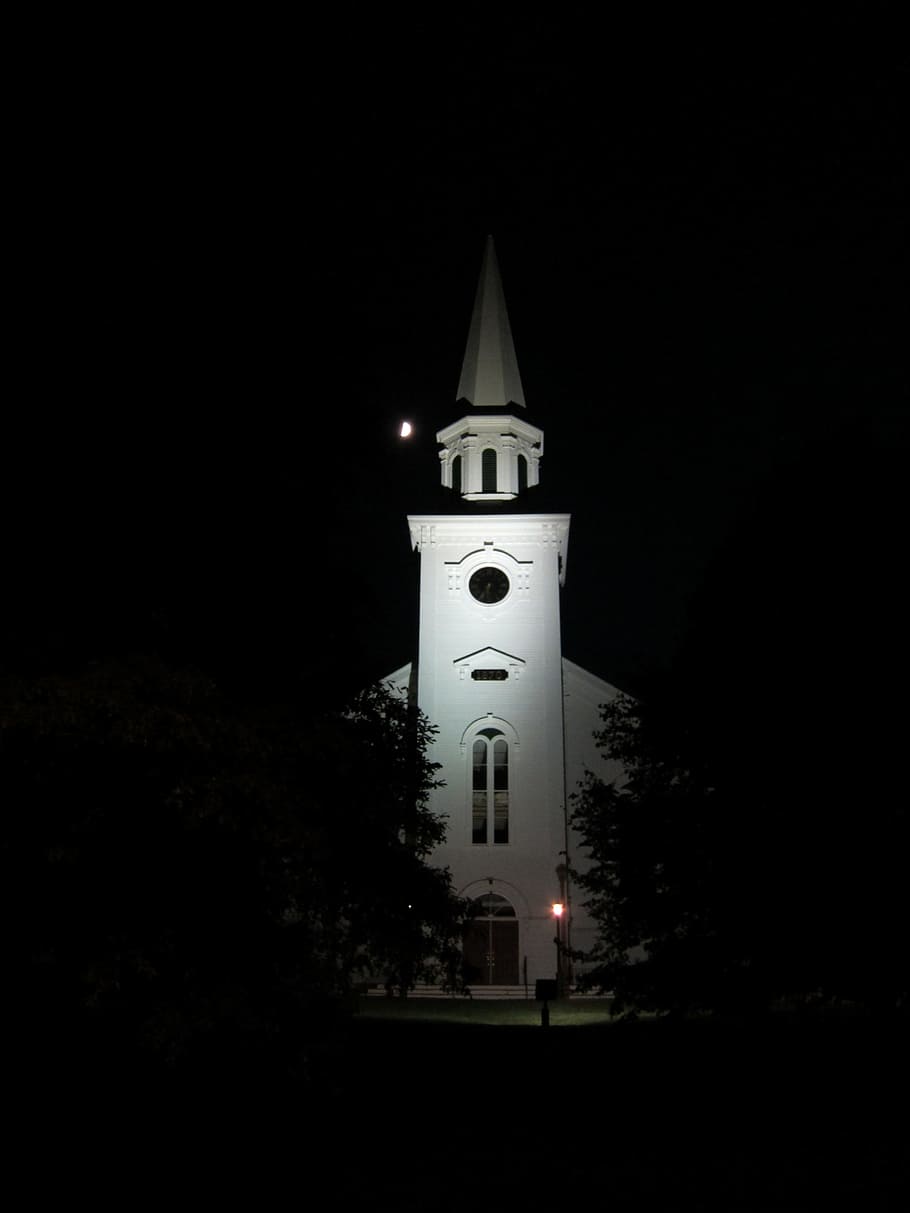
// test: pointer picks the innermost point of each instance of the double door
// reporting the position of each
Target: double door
(491, 952)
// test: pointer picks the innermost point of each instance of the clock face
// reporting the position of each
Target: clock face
(489, 585)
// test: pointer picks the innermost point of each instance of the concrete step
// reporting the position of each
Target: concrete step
(428, 991)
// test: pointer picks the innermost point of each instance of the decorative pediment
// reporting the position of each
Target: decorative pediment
(487, 550)
(489, 665)
(504, 533)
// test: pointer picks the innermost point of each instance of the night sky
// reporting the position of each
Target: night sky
(251, 255)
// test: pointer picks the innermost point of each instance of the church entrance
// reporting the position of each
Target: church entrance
(491, 943)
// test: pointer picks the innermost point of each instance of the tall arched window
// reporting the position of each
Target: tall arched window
(456, 474)
(522, 473)
(488, 470)
(490, 788)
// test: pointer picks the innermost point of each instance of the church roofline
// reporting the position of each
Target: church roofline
(598, 687)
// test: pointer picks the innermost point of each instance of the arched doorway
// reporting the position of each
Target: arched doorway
(491, 943)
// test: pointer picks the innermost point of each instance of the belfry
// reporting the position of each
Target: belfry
(515, 717)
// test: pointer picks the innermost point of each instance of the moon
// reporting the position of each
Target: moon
(406, 429)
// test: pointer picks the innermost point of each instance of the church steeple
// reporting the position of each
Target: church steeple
(514, 722)
(489, 376)
(490, 456)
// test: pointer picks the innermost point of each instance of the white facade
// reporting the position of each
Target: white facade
(515, 719)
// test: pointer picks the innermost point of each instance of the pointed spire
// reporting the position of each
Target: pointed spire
(489, 376)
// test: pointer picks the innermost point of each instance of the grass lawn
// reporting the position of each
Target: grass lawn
(421, 1106)
(780, 1115)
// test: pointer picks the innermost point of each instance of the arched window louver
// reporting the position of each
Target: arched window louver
(522, 473)
(488, 471)
(456, 474)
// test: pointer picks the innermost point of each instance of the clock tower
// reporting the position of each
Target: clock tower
(515, 719)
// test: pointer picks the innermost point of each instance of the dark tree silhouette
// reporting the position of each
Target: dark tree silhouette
(715, 889)
(195, 874)
(756, 850)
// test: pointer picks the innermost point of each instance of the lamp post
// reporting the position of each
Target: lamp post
(558, 908)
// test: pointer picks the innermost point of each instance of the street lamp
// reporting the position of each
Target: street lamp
(558, 909)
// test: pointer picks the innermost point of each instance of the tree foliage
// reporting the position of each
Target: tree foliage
(398, 916)
(721, 882)
(191, 871)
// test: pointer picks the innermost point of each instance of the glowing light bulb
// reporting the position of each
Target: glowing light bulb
(558, 908)
(406, 429)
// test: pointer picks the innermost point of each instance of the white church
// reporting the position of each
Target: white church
(515, 717)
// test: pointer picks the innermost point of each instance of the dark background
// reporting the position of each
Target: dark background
(241, 253)
(249, 253)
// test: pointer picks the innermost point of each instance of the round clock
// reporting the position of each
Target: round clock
(489, 585)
